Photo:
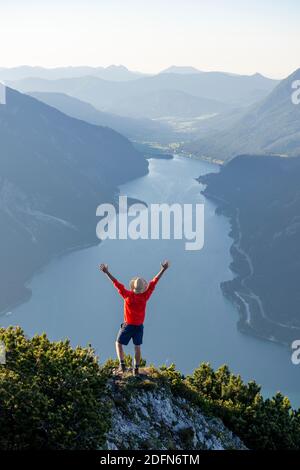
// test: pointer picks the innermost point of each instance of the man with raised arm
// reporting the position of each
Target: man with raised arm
(135, 301)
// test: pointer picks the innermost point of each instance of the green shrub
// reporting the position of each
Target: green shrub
(173, 376)
(260, 423)
(50, 395)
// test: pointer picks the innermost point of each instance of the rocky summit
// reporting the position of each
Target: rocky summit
(147, 415)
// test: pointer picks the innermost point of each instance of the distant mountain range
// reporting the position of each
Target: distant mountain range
(261, 196)
(270, 127)
(54, 172)
(181, 69)
(113, 72)
(120, 97)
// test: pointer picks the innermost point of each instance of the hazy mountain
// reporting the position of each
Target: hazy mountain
(261, 195)
(162, 103)
(271, 126)
(117, 73)
(54, 172)
(181, 69)
(138, 129)
(236, 90)
(112, 72)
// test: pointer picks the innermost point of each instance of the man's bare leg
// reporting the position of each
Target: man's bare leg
(120, 354)
(137, 359)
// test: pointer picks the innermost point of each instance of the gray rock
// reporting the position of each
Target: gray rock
(157, 419)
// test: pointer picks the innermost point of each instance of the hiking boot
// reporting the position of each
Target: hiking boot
(120, 369)
(135, 372)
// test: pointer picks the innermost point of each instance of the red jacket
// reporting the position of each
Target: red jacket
(135, 304)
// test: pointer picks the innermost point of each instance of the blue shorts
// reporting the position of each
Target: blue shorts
(128, 332)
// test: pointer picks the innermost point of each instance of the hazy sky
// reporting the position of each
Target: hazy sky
(242, 36)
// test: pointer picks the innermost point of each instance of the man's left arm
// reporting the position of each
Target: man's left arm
(104, 269)
(164, 266)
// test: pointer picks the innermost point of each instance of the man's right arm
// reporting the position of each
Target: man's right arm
(120, 287)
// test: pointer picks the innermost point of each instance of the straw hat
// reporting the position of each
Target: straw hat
(138, 285)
